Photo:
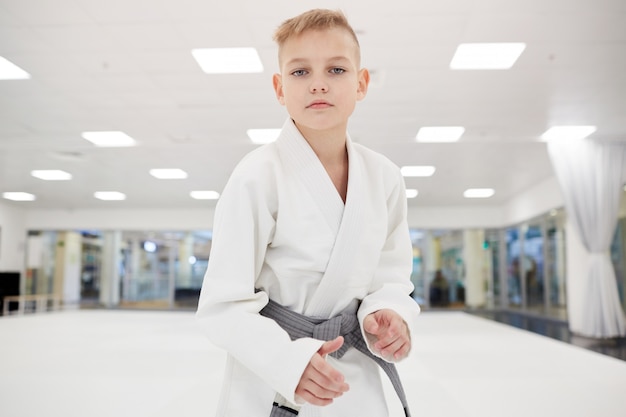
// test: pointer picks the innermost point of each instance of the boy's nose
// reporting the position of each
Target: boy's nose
(318, 86)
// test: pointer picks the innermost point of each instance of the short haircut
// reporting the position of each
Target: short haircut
(316, 19)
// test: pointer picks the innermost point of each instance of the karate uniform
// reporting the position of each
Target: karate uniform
(282, 228)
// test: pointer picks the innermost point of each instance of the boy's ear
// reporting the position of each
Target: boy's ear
(364, 81)
(277, 81)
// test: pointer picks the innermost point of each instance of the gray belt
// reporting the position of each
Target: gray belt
(345, 324)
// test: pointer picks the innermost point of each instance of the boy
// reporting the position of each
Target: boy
(316, 224)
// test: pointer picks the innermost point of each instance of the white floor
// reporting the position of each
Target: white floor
(97, 363)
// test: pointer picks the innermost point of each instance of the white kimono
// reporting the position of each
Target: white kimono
(282, 227)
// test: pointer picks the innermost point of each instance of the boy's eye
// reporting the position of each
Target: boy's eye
(299, 73)
(337, 70)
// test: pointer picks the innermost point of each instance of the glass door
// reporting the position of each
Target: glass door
(618, 257)
(555, 264)
(532, 262)
(514, 270)
(91, 266)
(148, 269)
(418, 275)
(493, 265)
(191, 264)
(164, 269)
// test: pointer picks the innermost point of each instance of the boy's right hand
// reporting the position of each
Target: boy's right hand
(320, 383)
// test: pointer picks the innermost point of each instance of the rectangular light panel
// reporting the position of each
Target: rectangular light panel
(439, 134)
(228, 60)
(51, 175)
(568, 132)
(486, 56)
(19, 196)
(479, 192)
(109, 139)
(205, 195)
(168, 173)
(10, 71)
(417, 171)
(411, 193)
(109, 195)
(262, 136)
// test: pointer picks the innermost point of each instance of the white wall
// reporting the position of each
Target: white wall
(535, 201)
(455, 217)
(12, 238)
(192, 219)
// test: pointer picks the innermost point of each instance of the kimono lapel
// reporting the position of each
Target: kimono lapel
(345, 220)
(325, 302)
(299, 158)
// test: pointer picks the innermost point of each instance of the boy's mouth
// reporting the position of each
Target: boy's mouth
(319, 104)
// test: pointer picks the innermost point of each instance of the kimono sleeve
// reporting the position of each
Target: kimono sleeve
(391, 286)
(228, 309)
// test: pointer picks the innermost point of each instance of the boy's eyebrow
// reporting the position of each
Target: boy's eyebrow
(305, 60)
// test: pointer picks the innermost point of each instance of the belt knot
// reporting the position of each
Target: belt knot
(341, 325)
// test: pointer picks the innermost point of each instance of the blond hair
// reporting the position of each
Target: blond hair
(316, 19)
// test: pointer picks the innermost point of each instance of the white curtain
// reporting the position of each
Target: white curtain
(590, 176)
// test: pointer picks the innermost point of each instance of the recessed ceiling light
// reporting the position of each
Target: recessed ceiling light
(19, 196)
(51, 175)
(486, 56)
(478, 192)
(168, 174)
(109, 195)
(228, 60)
(417, 171)
(10, 71)
(205, 195)
(440, 133)
(411, 193)
(568, 132)
(109, 139)
(262, 136)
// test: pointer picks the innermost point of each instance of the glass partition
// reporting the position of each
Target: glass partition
(164, 269)
(494, 257)
(532, 263)
(514, 269)
(555, 263)
(417, 274)
(523, 265)
(618, 256)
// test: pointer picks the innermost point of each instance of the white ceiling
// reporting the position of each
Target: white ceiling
(127, 65)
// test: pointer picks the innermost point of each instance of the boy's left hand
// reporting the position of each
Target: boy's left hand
(389, 333)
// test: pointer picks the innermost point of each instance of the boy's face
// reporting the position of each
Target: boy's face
(320, 80)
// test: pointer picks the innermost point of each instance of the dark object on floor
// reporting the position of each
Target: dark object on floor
(555, 329)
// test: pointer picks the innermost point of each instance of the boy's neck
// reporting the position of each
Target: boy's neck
(330, 148)
(328, 145)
